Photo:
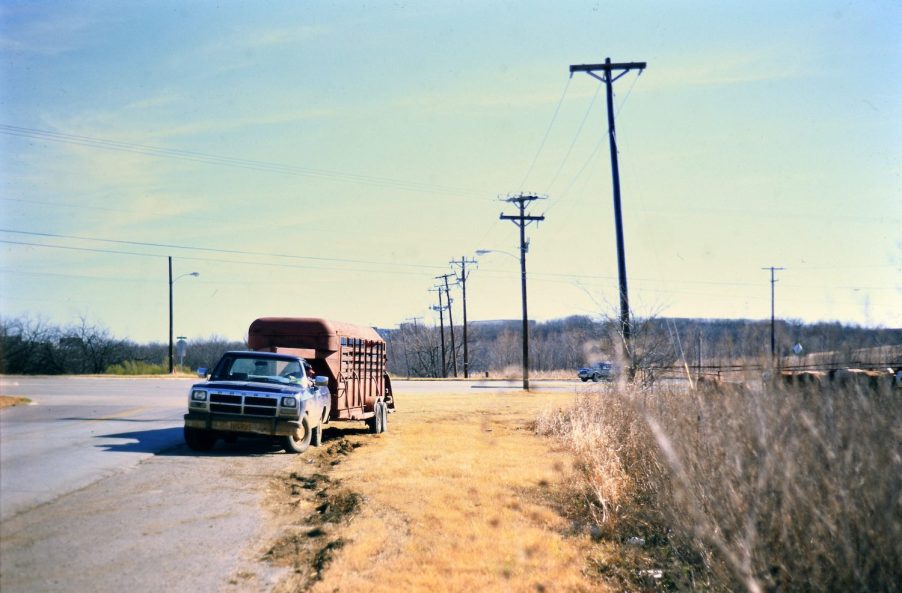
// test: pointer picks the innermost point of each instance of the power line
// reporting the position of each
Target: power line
(579, 131)
(212, 260)
(547, 132)
(216, 250)
(212, 159)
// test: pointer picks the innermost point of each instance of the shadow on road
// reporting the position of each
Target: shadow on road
(170, 442)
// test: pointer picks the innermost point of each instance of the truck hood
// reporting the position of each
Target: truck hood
(250, 386)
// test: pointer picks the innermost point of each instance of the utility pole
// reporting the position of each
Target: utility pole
(521, 220)
(406, 353)
(415, 335)
(773, 339)
(463, 285)
(170, 314)
(441, 316)
(607, 77)
(450, 321)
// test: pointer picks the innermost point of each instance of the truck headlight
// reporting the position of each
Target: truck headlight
(198, 396)
(289, 402)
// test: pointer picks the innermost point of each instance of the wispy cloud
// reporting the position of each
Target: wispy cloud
(251, 40)
(48, 35)
(727, 69)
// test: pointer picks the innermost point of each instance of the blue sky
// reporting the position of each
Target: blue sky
(329, 159)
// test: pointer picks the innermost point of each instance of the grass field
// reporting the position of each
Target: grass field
(459, 495)
(601, 489)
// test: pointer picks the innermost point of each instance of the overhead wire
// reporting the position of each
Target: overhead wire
(216, 250)
(219, 160)
(557, 110)
(576, 136)
(211, 260)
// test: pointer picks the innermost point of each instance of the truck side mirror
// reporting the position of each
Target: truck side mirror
(321, 381)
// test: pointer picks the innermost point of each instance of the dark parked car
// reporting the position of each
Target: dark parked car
(600, 371)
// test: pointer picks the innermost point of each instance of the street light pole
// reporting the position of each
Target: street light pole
(171, 282)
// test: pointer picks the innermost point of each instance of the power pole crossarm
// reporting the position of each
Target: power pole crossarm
(608, 66)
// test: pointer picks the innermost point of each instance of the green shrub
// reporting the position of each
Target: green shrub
(137, 367)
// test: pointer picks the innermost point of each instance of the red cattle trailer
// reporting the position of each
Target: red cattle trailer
(351, 356)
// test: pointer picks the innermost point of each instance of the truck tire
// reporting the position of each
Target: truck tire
(595, 378)
(199, 439)
(384, 417)
(300, 440)
(584, 379)
(375, 423)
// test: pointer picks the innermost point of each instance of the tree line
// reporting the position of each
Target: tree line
(566, 344)
(34, 346)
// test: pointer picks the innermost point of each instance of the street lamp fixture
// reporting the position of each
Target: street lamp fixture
(487, 251)
(171, 282)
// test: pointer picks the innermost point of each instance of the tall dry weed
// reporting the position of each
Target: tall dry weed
(777, 490)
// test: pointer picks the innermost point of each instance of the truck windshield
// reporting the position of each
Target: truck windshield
(258, 368)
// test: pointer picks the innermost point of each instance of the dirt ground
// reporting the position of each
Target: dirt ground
(456, 496)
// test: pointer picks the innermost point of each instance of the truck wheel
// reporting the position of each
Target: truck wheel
(300, 440)
(384, 417)
(584, 379)
(199, 439)
(317, 435)
(375, 423)
(595, 378)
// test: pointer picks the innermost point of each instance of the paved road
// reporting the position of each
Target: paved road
(99, 493)
(80, 430)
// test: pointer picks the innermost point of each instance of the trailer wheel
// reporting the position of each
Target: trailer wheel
(199, 439)
(300, 440)
(375, 423)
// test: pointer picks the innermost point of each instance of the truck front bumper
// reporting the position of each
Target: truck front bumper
(239, 423)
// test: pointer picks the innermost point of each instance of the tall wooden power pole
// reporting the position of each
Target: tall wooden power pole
(521, 220)
(607, 77)
(441, 315)
(773, 334)
(450, 320)
(462, 278)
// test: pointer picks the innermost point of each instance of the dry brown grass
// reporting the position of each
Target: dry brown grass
(731, 490)
(8, 401)
(455, 497)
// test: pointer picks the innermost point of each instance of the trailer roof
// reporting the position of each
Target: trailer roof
(311, 327)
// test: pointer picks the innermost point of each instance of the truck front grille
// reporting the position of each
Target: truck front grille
(248, 405)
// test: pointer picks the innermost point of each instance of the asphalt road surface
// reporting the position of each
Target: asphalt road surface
(99, 493)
